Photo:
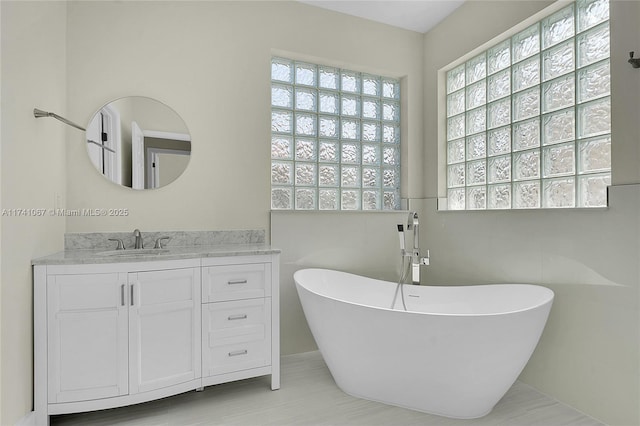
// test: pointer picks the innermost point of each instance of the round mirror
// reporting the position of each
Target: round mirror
(138, 142)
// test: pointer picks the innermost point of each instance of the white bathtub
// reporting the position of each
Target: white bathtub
(455, 353)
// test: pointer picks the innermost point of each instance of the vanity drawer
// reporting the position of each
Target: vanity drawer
(236, 335)
(234, 282)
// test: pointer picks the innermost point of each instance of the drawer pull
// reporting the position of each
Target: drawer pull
(237, 317)
(237, 353)
(232, 282)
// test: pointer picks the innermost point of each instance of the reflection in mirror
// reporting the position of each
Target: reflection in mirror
(150, 142)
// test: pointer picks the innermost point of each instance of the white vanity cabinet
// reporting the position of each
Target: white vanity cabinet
(114, 334)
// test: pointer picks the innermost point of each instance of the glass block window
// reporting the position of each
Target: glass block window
(528, 121)
(335, 138)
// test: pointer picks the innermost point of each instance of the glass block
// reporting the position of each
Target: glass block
(350, 200)
(476, 68)
(371, 131)
(328, 78)
(306, 99)
(455, 199)
(594, 155)
(526, 74)
(370, 108)
(305, 124)
(476, 172)
(594, 81)
(328, 151)
(350, 176)
(499, 113)
(455, 79)
(281, 148)
(328, 175)
(328, 126)
(282, 70)
(592, 190)
(391, 111)
(526, 104)
(526, 135)
(594, 118)
(558, 27)
(350, 129)
(305, 150)
(329, 103)
(499, 141)
(558, 193)
(593, 45)
(499, 85)
(455, 151)
(558, 61)
(350, 153)
(558, 127)
(476, 120)
(371, 85)
(350, 81)
(370, 200)
(476, 146)
(559, 93)
(477, 198)
(499, 57)
(281, 121)
(370, 154)
(526, 195)
(526, 43)
(281, 173)
(281, 96)
(558, 160)
(455, 175)
(370, 177)
(390, 156)
(390, 200)
(391, 133)
(391, 178)
(281, 198)
(305, 199)
(305, 74)
(526, 165)
(476, 94)
(591, 13)
(305, 174)
(499, 197)
(328, 199)
(391, 88)
(499, 169)
(350, 105)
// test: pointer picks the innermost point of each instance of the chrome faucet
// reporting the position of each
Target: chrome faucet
(416, 260)
(139, 242)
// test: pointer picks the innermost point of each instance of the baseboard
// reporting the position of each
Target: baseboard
(28, 420)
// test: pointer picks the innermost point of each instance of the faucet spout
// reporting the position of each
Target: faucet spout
(416, 260)
(139, 242)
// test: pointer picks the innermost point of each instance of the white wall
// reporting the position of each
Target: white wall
(210, 62)
(589, 354)
(32, 174)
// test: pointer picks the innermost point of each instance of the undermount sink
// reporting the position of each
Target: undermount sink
(133, 252)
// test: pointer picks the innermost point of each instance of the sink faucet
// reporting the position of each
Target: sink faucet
(138, 235)
(416, 260)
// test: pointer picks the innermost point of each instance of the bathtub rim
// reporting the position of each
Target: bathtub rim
(550, 296)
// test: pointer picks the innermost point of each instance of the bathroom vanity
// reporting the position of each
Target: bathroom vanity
(114, 328)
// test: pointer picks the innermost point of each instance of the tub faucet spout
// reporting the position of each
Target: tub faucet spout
(139, 241)
(416, 259)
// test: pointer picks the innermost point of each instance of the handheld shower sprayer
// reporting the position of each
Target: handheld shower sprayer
(401, 236)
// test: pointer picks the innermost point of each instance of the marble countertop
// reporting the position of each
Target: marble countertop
(91, 256)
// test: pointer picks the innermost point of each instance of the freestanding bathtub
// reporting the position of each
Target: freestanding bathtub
(455, 351)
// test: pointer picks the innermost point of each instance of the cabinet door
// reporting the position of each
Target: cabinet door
(87, 337)
(164, 328)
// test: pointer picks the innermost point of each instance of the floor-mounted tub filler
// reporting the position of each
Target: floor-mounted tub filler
(454, 352)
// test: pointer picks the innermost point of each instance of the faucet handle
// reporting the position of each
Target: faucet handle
(159, 242)
(120, 243)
